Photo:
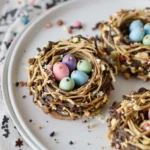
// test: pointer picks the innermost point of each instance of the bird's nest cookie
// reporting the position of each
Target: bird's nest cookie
(131, 58)
(84, 101)
(129, 124)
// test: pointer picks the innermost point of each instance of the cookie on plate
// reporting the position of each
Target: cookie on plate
(129, 121)
(125, 37)
(69, 80)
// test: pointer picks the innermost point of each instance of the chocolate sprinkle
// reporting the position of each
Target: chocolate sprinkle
(71, 143)
(52, 134)
(24, 96)
(5, 126)
(19, 143)
(38, 49)
(5, 120)
(30, 120)
(17, 83)
(85, 121)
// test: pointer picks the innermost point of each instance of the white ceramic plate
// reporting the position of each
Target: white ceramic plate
(89, 12)
(7, 98)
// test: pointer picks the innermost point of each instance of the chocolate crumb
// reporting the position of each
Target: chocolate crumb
(97, 25)
(71, 143)
(2, 127)
(24, 96)
(23, 83)
(60, 22)
(6, 135)
(40, 127)
(147, 8)
(84, 121)
(52, 134)
(17, 84)
(69, 31)
(30, 120)
(38, 49)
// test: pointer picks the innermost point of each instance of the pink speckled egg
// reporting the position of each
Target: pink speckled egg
(149, 114)
(60, 70)
(77, 24)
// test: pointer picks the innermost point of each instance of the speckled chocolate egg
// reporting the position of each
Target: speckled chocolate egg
(85, 66)
(146, 40)
(147, 28)
(137, 35)
(60, 70)
(67, 84)
(70, 61)
(136, 23)
(80, 78)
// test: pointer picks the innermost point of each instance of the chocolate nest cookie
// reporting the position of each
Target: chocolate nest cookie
(84, 101)
(129, 121)
(131, 58)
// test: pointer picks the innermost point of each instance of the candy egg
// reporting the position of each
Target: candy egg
(79, 77)
(134, 24)
(25, 20)
(149, 114)
(67, 84)
(85, 66)
(70, 61)
(77, 24)
(145, 125)
(147, 28)
(146, 40)
(60, 71)
(137, 35)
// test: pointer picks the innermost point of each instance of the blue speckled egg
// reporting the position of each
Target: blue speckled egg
(70, 61)
(80, 78)
(137, 35)
(25, 20)
(146, 40)
(147, 28)
(136, 23)
(67, 84)
(85, 66)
